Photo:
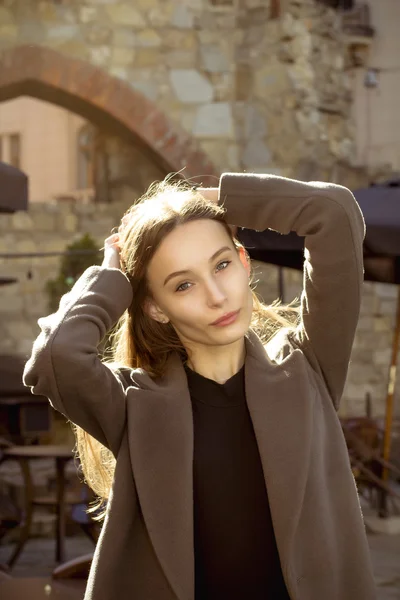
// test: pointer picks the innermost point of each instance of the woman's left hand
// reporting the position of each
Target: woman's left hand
(211, 194)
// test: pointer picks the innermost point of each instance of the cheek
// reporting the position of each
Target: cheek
(186, 309)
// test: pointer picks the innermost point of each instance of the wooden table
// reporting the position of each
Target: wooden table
(24, 454)
(41, 588)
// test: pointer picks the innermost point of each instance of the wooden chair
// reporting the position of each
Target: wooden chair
(364, 439)
(77, 568)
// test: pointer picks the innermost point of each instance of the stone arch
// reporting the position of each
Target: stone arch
(107, 101)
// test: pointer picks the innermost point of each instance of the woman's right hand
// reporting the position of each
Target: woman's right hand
(111, 252)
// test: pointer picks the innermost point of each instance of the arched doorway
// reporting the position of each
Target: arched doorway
(104, 100)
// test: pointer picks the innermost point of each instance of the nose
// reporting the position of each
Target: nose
(215, 293)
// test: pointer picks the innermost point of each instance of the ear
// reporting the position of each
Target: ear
(154, 311)
(244, 260)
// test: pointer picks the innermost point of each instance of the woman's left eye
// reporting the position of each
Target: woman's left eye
(223, 265)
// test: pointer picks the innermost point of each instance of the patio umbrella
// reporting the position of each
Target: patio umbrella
(13, 189)
(13, 197)
(380, 205)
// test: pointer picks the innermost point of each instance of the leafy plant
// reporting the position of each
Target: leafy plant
(80, 255)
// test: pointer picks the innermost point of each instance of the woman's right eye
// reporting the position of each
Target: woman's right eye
(181, 287)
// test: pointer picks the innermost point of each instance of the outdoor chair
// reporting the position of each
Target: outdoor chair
(76, 568)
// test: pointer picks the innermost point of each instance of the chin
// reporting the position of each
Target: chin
(231, 333)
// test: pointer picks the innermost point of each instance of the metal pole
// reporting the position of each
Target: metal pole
(390, 403)
(281, 285)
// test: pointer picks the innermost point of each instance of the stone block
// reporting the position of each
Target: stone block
(148, 38)
(147, 88)
(124, 37)
(98, 33)
(62, 32)
(365, 322)
(255, 125)
(122, 56)
(5, 222)
(234, 157)
(214, 120)
(272, 79)
(147, 57)
(213, 59)
(182, 40)
(126, 14)
(21, 221)
(25, 246)
(190, 86)
(159, 15)
(43, 221)
(382, 357)
(181, 59)
(382, 324)
(256, 154)
(70, 223)
(182, 17)
(6, 16)
(87, 14)
(10, 305)
(8, 32)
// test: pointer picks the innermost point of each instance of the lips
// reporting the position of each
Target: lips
(226, 318)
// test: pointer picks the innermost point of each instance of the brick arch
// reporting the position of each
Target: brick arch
(96, 95)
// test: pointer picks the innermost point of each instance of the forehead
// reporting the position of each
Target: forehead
(188, 245)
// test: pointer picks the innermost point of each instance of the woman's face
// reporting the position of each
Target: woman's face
(196, 276)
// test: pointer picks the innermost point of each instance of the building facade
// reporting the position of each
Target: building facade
(202, 86)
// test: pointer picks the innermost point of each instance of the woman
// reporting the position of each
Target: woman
(222, 457)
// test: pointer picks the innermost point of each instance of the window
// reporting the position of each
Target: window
(86, 157)
(10, 149)
(93, 162)
(15, 150)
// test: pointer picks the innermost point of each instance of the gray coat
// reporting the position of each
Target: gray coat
(293, 388)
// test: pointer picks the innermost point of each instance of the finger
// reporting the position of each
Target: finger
(112, 239)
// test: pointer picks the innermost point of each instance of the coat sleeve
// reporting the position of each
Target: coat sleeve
(64, 365)
(329, 218)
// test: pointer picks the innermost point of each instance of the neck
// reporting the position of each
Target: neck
(218, 363)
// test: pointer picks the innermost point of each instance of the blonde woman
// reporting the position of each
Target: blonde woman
(213, 435)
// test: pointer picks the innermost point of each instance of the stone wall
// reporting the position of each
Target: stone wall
(259, 84)
(49, 227)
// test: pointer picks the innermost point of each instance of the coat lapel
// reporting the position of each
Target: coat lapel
(161, 447)
(280, 399)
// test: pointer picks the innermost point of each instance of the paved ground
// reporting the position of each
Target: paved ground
(38, 560)
(385, 552)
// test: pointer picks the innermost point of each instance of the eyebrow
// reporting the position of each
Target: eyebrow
(186, 271)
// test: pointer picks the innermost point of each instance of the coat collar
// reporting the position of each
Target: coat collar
(161, 446)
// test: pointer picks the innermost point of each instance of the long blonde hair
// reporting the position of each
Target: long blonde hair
(139, 341)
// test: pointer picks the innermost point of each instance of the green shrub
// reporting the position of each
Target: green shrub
(71, 268)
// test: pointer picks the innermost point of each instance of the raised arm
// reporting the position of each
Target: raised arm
(64, 365)
(331, 221)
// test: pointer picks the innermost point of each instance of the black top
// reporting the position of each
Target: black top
(236, 557)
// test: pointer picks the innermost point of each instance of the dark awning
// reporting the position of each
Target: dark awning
(13, 189)
(380, 205)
